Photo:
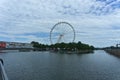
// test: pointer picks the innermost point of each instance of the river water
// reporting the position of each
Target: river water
(54, 66)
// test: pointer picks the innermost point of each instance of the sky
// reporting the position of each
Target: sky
(96, 22)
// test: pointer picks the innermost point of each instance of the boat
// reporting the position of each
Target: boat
(3, 75)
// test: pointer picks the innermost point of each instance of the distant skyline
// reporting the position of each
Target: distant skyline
(96, 22)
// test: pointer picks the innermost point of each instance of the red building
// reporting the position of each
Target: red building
(2, 44)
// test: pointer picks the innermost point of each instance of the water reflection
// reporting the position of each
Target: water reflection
(51, 66)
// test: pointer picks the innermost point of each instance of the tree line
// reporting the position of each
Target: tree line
(63, 46)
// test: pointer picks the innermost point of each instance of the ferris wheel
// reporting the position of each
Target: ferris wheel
(62, 32)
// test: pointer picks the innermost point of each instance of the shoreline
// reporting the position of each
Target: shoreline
(115, 52)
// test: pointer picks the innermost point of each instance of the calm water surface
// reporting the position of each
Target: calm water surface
(52, 66)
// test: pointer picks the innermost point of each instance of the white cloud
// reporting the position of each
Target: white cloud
(96, 22)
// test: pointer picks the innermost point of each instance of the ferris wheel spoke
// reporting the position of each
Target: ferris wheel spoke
(62, 32)
(65, 33)
(64, 39)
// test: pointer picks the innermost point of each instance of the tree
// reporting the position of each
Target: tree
(35, 44)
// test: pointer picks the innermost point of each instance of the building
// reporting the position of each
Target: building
(4, 44)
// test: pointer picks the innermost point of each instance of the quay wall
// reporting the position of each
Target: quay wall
(115, 52)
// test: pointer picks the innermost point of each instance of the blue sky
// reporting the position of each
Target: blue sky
(96, 22)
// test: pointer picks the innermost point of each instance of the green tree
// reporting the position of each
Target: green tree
(35, 44)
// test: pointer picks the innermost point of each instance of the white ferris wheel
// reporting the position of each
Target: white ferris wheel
(62, 32)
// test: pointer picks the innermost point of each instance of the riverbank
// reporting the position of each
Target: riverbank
(4, 50)
(115, 52)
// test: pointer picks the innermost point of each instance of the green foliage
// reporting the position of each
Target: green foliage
(35, 44)
(65, 46)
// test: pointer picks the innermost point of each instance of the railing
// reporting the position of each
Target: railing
(3, 75)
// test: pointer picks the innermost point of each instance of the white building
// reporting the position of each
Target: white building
(18, 45)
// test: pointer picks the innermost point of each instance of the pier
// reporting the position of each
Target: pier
(16, 49)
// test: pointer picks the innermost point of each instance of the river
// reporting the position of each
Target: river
(54, 66)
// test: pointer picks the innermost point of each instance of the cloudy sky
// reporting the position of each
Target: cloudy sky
(96, 22)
